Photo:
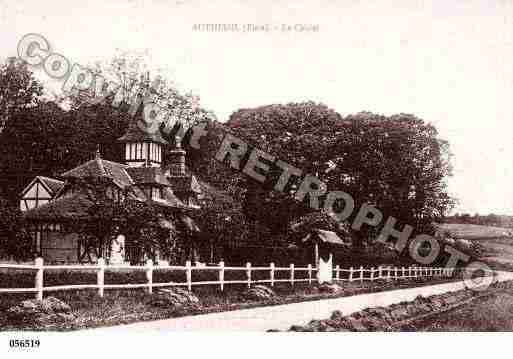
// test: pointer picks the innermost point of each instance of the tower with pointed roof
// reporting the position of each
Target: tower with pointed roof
(143, 144)
(142, 147)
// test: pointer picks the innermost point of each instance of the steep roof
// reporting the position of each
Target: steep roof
(323, 236)
(101, 168)
(73, 206)
(147, 175)
(135, 133)
(185, 183)
(172, 200)
(53, 184)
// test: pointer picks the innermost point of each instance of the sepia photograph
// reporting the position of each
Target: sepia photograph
(255, 167)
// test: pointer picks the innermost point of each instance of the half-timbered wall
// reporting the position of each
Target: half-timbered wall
(35, 196)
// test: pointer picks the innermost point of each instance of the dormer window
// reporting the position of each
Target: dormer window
(156, 193)
(153, 192)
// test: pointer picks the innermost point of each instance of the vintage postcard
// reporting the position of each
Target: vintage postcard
(257, 167)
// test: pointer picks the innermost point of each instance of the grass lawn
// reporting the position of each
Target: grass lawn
(129, 306)
(493, 313)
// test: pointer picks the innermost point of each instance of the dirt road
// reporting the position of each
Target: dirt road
(283, 316)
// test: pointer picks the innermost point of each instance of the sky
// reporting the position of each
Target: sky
(448, 62)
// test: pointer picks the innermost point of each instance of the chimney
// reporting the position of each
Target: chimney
(177, 160)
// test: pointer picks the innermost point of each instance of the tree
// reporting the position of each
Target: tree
(14, 239)
(35, 141)
(18, 89)
(295, 133)
(397, 163)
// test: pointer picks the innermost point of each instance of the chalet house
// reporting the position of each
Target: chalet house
(48, 203)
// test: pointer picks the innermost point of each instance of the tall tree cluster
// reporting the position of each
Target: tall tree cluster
(397, 163)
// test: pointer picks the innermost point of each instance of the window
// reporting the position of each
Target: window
(156, 193)
(132, 151)
(144, 150)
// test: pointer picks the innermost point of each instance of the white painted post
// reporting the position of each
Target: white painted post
(380, 272)
(100, 277)
(39, 278)
(188, 273)
(337, 273)
(351, 274)
(272, 274)
(361, 274)
(248, 273)
(395, 273)
(402, 272)
(292, 274)
(221, 275)
(149, 275)
(310, 274)
(388, 272)
(372, 274)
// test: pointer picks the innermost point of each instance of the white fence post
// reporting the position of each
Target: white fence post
(351, 274)
(188, 273)
(292, 274)
(361, 274)
(100, 277)
(39, 278)
(248, 273)
(310, 274)
(388, 272)
(395, 273)
(380, 272)
(149, 275)
(337, 273)
(221, 275)
(372, 274)
(272, 274)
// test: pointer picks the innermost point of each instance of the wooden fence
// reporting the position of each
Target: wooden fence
(339, 274)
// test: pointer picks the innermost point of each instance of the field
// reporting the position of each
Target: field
(497, 242)
(494, 313)
(474, 231)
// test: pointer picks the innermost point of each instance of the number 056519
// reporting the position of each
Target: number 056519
(24, 343)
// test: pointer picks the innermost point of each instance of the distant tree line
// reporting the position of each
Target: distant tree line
(494, 220)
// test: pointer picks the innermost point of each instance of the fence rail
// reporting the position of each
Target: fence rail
(339, 274)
